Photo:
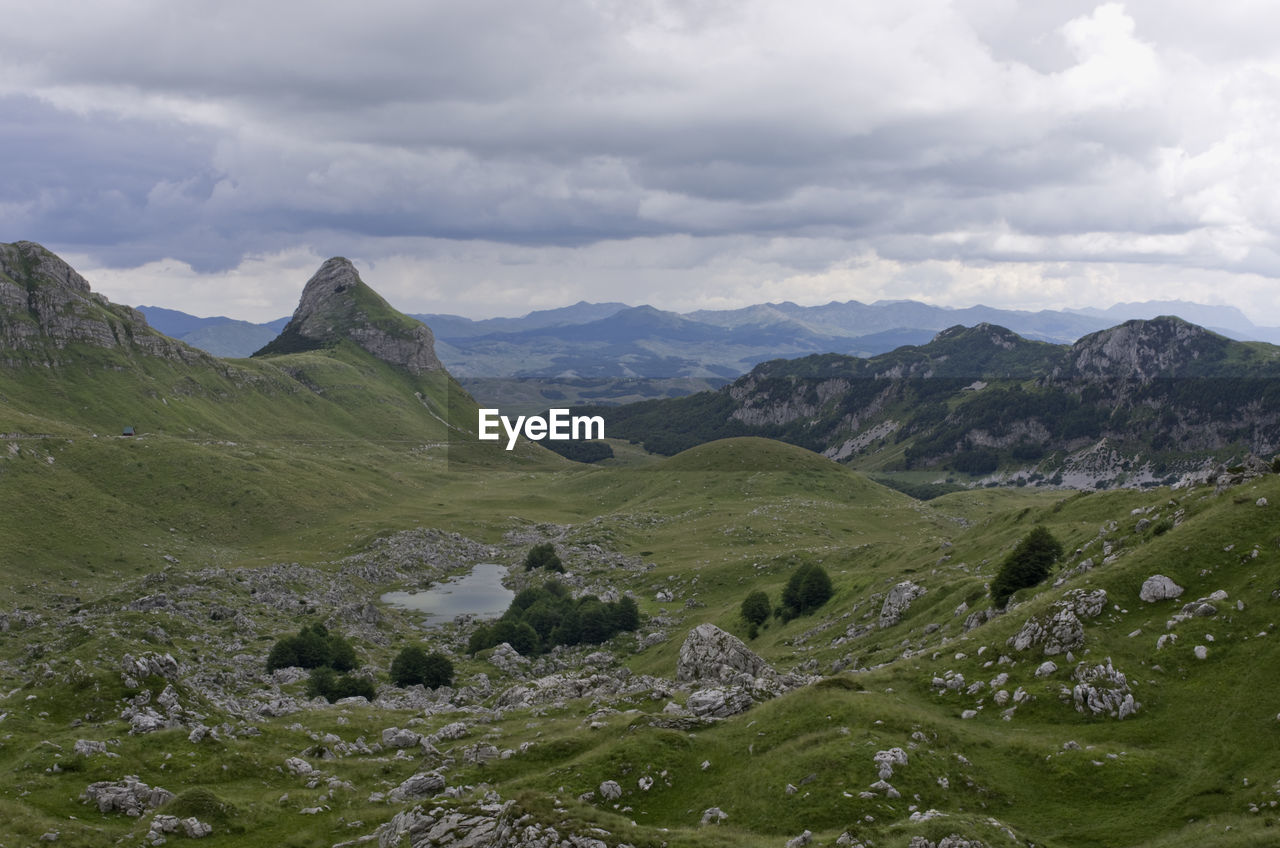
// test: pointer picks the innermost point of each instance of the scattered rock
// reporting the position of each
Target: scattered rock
(128, 795)
(611, 790)
(713, 815)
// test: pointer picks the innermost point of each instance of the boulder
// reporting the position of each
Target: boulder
(717, 702)
(898, 601)
(1157, 587)
(710, 654)
(420, 785)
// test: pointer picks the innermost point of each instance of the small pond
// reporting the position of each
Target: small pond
(478, 593)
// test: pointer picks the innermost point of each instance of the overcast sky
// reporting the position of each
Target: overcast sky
(489, 157)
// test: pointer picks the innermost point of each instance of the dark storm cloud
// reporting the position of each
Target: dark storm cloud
(980, 130)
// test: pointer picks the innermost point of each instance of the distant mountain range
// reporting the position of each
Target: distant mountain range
(614, 340)
(1147, 402)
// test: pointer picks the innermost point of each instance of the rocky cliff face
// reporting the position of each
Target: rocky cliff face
(1144, 350)
(45, 306)
(336, 304)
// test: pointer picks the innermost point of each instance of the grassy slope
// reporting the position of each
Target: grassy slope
(719, 521)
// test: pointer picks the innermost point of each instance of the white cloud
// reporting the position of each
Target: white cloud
(514, 155)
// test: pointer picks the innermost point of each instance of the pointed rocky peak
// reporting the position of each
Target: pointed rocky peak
(1146, 349)
(46, 306)
(337, 305)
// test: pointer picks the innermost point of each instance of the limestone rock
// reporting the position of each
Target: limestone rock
(710, 654)
(717, 702)
(1157, 587)
(336, 304)
(610, 790)
(1103, 689)
(396, 737)
(129, 795)
(420, 785)
(897, 602)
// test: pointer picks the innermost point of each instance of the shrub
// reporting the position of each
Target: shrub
(1027, 565)
(326, 683)
(543, 556)
(540, 618)
(756, 608)
(312, 647)
(414, 665)
(809, 588)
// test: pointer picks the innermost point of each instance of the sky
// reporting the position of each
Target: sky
(490, 157)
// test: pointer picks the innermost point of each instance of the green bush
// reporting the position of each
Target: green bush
(413, 665)
(756, 609)
(328, 684)
(1027, 565)
(808, 588)
(543, 556)
(312, 647)
(540, 618)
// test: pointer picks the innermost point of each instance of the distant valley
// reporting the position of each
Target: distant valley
(614, 353)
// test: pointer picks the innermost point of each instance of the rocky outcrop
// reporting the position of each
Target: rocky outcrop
(1061, 630)
(46, 306)
(711, 655)
(899, 599)
(1103, 690)
(129, 795)
(336, 305)
(1157, 587)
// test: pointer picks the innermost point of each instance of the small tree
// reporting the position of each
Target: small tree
(807, 589)
(543, 556)
(1027, 565)
(413, 665)
(755, 611)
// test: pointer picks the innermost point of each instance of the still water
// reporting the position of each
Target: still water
(479, 593)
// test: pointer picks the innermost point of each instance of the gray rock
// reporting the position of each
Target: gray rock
(713, 815)
(1157, 587)
(898, 601)
(89, 747)
(718, 702)
(1046, 668)
(330, 310)
(611, 790)
(396, 737)
(420, 785)
(710, 654)
(129, 795)
(1103, 689)
(886, 760)
(298, 766)
(800, 841)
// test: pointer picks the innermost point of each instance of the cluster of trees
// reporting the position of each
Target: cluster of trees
(312, 647)
(808, 588)
(413, 665)
(326, 654)
(539, 618)
(1028, 564)
(543, 556)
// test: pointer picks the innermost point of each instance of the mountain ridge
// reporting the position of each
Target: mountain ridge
(1159, 400)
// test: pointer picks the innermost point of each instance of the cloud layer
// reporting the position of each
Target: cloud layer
(492, 157)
